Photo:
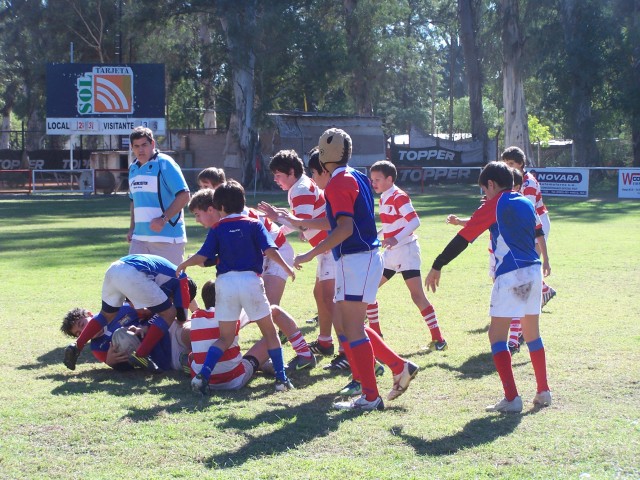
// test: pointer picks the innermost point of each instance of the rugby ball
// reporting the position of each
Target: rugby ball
(124, 340)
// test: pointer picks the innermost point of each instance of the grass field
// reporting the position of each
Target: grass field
(95, 423)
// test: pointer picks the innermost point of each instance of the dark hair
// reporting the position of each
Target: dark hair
(201, 200)
(385, 167)
(517, 178)
(284, 161)
(498, 172)
(215, 175)
(141, 132)
(230, 196)
(314, 160)
(209, 294)
(74, 315)
(516, 154)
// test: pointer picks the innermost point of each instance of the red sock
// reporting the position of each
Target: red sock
(502, 361)
(514, 331)
(344, 343)
(429, 316)
(363, 356)
(372, 316)
(151, 339)
(90, 330)
(383, 353)
(299, 344)
(539, 363)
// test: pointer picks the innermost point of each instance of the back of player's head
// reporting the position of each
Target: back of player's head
(498, 172)
(286, 160)
(314, 160)
(230, 197)
(209, 294)
(516, 154)
(386, 168)
(517, 179)
(215, 176)
(193, 288)
(334, 146)
(71, 318)
(201, 200)
(141, 132)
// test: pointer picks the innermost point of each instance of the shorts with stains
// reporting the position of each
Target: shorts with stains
(517, 293)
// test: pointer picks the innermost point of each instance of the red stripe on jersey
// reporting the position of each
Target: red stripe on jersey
(229, 354)
(227, 376)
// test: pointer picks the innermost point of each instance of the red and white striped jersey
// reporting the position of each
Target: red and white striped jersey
(204, 332)
(397, 214)
(306, 200)
(531, 189)
(274, 230)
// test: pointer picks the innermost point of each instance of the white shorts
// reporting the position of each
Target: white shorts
(326, 269)
(124, 281)
(238, 382)
(269, 267)
(174, 252)
(177, 347)
(240, 290)
(402, 257)
(358, 276)
(517, 293)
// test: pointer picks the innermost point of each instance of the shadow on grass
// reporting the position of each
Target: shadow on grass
(474, 367)
(478, 331)
(477, 432)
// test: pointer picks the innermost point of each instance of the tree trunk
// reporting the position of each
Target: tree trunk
(360, 73)
(239, 24)
(516, 129)
(467, 17)
(9, 98)
(208, 87)
(585, 151)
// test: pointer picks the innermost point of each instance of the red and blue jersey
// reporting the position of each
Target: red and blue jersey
(239, 242)
(349, 193)
(512, 221)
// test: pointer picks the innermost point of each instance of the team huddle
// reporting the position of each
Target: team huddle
(147, 295)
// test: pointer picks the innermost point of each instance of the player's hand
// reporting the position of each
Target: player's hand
(129, 236)
(292, 274)
(300, 259)
(268, 210)
(179, 269)
(389, 242)
(432, 281)
(452, 219)
(546, 268)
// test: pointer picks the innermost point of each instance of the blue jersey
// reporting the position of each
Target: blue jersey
(239, 242)
(163, 273)
(152, 188)
(127, 317)
(349, 193)
(512, 221)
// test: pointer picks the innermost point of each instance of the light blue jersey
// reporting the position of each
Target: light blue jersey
(152, 188)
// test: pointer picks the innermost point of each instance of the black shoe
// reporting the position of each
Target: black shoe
(313, 321)
(71, 354)
(318, 349)
(144, 362)
(283, 338)
(300, 363)
(339, 362)
(284, 385)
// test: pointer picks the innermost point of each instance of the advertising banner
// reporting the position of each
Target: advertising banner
(563, 182)
(103, 99)
(438, 175)
(629, 183)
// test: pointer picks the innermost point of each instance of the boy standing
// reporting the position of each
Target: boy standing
(402, 251)
(353, 240)
(306, 201)
(239, 242)
(517, 288)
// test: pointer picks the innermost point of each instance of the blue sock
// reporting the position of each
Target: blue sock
(278, 363)
(213, 355)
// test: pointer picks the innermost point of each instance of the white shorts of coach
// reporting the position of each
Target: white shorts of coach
(238, 290)
(402, 257)
(269, 267)
(358, 276)
(124, 281)
(517, 293)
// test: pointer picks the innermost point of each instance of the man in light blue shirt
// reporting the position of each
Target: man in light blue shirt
(158, 193)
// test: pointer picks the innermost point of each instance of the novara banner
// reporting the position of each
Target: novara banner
(563, 182)
(629, 183)
(104, 99)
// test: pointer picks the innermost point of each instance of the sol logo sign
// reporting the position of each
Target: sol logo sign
(106, 90)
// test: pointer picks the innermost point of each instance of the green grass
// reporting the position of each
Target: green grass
(95, 423)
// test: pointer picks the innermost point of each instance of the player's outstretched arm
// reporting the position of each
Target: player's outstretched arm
(190, 262)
